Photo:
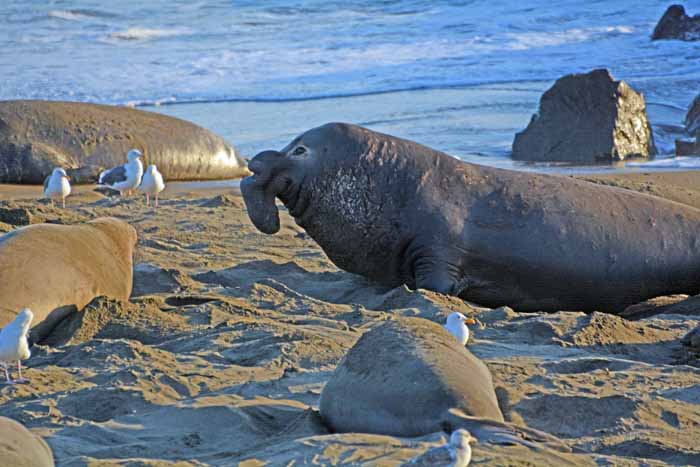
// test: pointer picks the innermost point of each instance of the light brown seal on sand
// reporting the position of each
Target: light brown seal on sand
(20, 447)
(55, 269)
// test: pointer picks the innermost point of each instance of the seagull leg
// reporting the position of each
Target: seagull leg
(19, 370)
(51, 202)
(148, 200)
(63, 202)
(156, 201)
(7, 374)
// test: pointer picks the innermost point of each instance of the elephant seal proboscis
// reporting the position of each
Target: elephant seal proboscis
(409, 377)
(55, 269)
(399, 213)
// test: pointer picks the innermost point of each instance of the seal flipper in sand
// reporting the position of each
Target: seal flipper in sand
(504, 433)
(397, 212)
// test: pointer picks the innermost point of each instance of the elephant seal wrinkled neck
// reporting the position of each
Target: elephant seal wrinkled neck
(354, 197)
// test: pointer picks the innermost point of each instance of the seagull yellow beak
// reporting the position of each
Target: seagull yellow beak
(470, 321)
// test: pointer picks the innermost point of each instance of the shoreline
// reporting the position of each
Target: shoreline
(679, 185)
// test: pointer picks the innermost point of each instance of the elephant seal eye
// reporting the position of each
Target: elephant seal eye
(299, 151)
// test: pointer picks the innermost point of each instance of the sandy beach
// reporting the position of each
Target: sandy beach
(221, 353)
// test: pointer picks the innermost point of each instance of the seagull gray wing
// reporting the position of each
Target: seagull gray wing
(46, 182)
(435, 457)
(112, 176)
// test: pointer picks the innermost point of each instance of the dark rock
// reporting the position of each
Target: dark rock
(17, 216)
(150, 279)
(36, 136)
(85, 175)
(691, 122)
(676, 24)
(672, 304)
(587, 118)
(224, 201)
(692, 118)
(692, 339)
(687, 147)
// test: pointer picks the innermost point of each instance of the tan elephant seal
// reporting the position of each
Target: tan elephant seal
(20, 447)
(410, 377)
(55, 269)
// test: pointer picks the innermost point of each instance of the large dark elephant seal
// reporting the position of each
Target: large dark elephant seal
(398, 212)
(20, 447)
(410, 377)
(55, 269)
(36, 136)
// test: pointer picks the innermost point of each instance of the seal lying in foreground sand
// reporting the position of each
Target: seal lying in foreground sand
(399, 213)
(20, 447)
(55, 269)
(410, 377)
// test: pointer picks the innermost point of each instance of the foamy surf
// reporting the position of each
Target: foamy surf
(67, 15)
(145, 34)
(683, 162)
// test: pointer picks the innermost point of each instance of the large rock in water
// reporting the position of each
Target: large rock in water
(676, 24)
(692, 126)
(36, 136)
(692, 118)
(587, 118)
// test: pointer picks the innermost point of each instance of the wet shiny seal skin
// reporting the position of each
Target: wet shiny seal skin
(36, 136)
(20, 447)
(55, 269)
(410, 377)
(398, 213)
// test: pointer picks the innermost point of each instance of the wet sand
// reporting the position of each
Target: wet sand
(221, 353)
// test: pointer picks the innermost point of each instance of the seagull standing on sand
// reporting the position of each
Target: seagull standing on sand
(127, 177)
(14, 345)
(57, 185)
(152, 184)
(456, 453)
(457, 325)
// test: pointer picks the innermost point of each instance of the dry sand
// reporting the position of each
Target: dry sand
(220, 356)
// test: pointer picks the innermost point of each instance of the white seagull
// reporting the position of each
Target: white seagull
(457, 325)
(152, 184)
(124, 178)
(13, 343)
(456, 453)
(57, 186)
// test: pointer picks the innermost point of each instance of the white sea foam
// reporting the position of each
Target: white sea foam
(669, 163)
(529, 40)
(67, 15)
(145, 34)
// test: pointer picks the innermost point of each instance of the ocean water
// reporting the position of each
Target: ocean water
(460, 76)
